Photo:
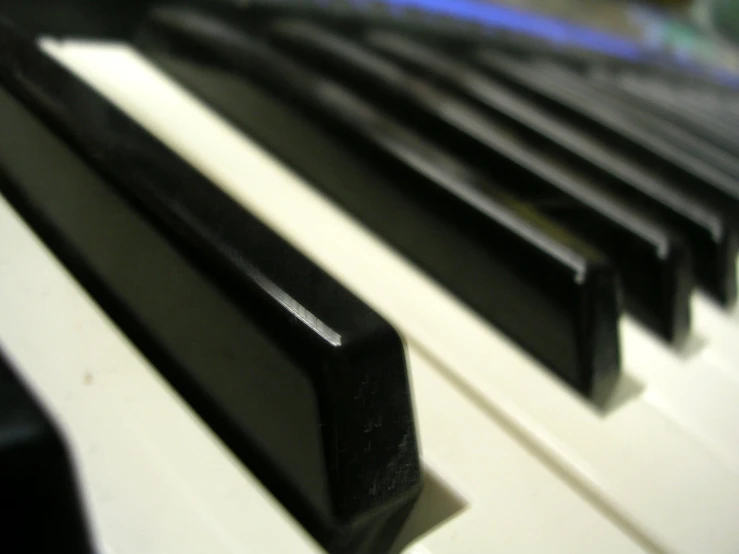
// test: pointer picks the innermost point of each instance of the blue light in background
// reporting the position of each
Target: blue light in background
(549, 28)
(557, 31)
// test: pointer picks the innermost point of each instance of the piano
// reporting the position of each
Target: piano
(368, 278)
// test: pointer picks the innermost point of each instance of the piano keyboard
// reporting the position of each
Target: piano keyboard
(514, 458)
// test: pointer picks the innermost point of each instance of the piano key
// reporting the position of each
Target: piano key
(38, 490)
(154, 477)
(408, 190)
(632, 457)
(308, 379)
(563, 94)
(159, 481)
(643, 122)
(671, 122)
(713, 91)
(694, 390)
(666, 128)
(714, 244)
(662, 99)
(722, 331)
(654, 265)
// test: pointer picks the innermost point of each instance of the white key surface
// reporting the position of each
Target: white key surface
(660, 463)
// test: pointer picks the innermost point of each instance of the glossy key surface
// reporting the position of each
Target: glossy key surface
(304, 382)
(552, 293)
(653, 263)
(711, 238)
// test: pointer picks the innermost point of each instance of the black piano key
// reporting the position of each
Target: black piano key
(39, 501)
(654, 265)
(305, 383)
(712, 240)
(563, 94)
(550, 292)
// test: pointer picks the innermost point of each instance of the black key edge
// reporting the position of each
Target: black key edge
(161, 42)
(358, 513)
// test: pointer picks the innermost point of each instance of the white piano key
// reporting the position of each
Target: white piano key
(157, 481)
(515, 503)
(687, 386)
(662, 481)
(722, 328)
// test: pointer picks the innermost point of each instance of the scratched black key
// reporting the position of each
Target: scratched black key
(549, 291)
(562, 93)
(305, 383)
(653, 264)
(712, 240)
(39, 502)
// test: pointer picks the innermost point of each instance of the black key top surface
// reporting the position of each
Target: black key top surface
(303, 381)
(653, 263)
(712, 240)
(39, 502)
(542, 286)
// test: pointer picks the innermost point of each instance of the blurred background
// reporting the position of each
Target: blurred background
(703, 30)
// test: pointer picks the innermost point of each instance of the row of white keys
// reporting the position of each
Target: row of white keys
(157, 481)
(675, 486)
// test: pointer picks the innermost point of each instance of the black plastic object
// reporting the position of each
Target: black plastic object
(40, 506)
(305, 383)
(712, 240)
(653, 263)
(552, 293)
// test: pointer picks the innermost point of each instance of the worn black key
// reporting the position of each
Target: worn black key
(39, 502)
(654, 265)
(305, 383)
(565, 95)
(546, 289)
(712, 241)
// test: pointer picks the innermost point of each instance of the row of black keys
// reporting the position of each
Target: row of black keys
(543, 184)
(286, 365)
